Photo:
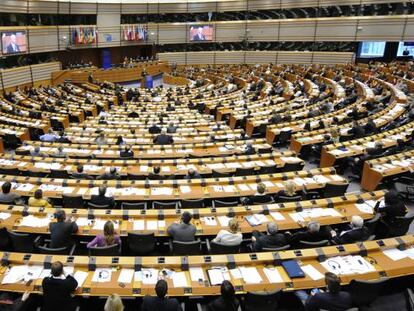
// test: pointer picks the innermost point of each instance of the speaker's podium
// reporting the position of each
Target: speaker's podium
(147, 82)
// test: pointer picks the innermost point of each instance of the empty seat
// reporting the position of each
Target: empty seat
(72, 201)
(141, 244)
(111, 250)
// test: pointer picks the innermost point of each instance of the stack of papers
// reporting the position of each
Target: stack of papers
(24, 273)
(348, 265)
(218, 275)
(256, 219)
(32, 221)
(197, 274)
(224, 220)
(250, 275)
(273, 275)
(179, 279)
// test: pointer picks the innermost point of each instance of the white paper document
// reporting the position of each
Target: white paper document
(250, 275)
(80, 277)
(273, 275)
(126, 276)
(312, 272)
(179, 279)
(395, 254)
(197, 274)
(102, 275)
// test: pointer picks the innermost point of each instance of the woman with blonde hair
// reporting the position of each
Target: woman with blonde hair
(109, 237)
(289, 191)
(114, 303)
(231, 237)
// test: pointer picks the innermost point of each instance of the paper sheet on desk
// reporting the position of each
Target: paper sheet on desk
(162, 191)
(22, 273)
(224, 220)
(80, 277)
(312, 272)
(218, 275)
(139, 224)
(243, 187)
(179, 279)
(209, 221)
(196, 274)
(143, 168)
(250, 275)
(100, 223)
(395, 254)
(148, 276)
(365, 208)
(36, 222)
(273, 275)
(256, 219)
(102, 275)
(277, 216)
(82, 221)
(4, 216)
(126, 276)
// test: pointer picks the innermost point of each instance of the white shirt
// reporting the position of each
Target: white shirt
(225, 237)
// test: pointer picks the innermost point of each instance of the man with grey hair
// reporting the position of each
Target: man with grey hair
(355, 233)
(313, 233)
(272, 239)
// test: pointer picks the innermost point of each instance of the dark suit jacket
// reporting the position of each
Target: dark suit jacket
(195, 176)
(102, 200)
(10, 49)
(322, 234)
(250, 151)
(352, 236)
(154, 130)
(267, 240)
(108, 176)
(260, 199)
(81, 176)
(163, 139)
(357, 131)
(327, 301)
(61, 233)
(221, 304)
(157, 304)
(389, 212)
(57, 294)
(126, 154)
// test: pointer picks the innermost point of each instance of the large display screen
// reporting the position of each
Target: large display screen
(201, 33)
(369, 49)
(14, 42)
(84, 35)
(135, 33)
(405, 49)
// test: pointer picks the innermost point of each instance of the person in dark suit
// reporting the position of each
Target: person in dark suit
(172, 128)
(61, 231)
(102, 199)
(127, 152)
(155, 175)
(260, 197)
(227, 301)
(192, 174)
(356, 131)
(163, 139)
(354, 233)
(58, 290)
(370, 127)
(154, 129)
(13, 47)
(249, 149)
(170, 107)
(183, 231)
(133, 114)
(271, 239)
(160, 302)
(313, 233)
(79, 174)
(199, 36)
(333, 299)
(112, 174)
(393, 207)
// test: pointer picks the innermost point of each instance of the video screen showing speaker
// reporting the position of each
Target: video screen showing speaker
(14, 42)
(84, 35)
(201, 33)
(405, 49)
(138, 33)
(371, 49)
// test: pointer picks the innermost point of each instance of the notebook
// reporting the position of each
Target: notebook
(293, 269)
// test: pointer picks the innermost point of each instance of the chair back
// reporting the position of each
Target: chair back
(141, 244)
(72, 201)
(334, 190)
(217, 174)
(21, 242)
(59, 174)
(53, 251)
(275, 249)
(9, 171)
(110, 250)
(262, 301)
(98, 206)
(186, 248)
(400, 225)
(290, 167)
(135, 205)
(306, 244)
(196, 203)
(220, 203)
(217, 248)
(165, 205)
(244, 171)
(285, 198)
(363, 292)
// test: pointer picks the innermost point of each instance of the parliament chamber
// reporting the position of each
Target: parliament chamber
(206, 155)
